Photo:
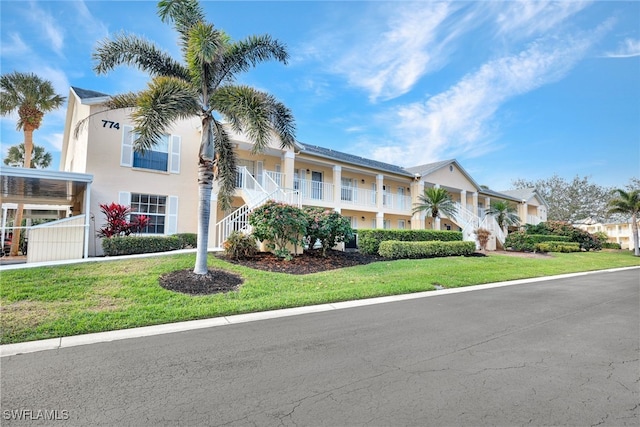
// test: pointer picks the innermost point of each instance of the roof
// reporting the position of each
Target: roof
(525, 194)
(428, 168)
(352, 159)
(88, 94)
(41, 186)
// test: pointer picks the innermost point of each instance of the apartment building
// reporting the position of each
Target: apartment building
(617, 232)
(162, 183)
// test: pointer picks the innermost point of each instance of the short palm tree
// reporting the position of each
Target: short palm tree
(628, 203)
(39, 158)
(435, 201)
(202, 86)
(31, 97)
(504, 213)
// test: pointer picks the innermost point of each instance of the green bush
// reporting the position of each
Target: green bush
(129, 245)
(523, 242)
(369, 239)
(240, 246)
(279, 224)
(396, 249)
(327, 226)
(558, 246)
(187, 240)
(586, 240)
(611, 245)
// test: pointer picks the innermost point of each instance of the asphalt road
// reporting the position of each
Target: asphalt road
(559, 352)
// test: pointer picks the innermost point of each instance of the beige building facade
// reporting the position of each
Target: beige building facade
(162, 183)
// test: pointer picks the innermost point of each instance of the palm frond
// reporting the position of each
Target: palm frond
(245, 54)
(132, 50)
(204, 50)
(165, 100)
(184, 14)
(29, 95)
(248, 111)
(434, 201)
(224, 166)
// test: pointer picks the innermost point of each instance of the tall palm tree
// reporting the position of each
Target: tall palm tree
(435, 201)
(31, 97)
(628, 203)
(504, 213)
(201, 86)
(39, 159)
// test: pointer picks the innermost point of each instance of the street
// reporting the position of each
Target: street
(557, 352)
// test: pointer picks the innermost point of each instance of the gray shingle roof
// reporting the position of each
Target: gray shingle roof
(88, 94)
(524, 194)
(352, 159)
(426, 169)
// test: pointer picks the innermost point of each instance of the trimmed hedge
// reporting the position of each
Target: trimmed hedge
(396, 249)
(521, 241)
(189, 240)
(369, 239)
(558, 246)
(611, 245)
(129, 245)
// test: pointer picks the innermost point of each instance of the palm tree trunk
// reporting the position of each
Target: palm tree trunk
(634, 230)
(28, 149)
(205, 185)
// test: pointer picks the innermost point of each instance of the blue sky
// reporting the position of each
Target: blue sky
(510, 89)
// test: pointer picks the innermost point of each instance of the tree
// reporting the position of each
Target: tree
(202, 86)
(570, 201)
(628, 203)
(504, 213)
(435, 201)
(31, 97)
(39, 158)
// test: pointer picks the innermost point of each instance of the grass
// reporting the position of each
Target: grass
(49, 302)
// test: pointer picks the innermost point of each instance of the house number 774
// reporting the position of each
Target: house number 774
(112, 125)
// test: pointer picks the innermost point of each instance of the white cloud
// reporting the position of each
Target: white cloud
(459, 120)
(92, 28)
(528, 18)
(50, 30)
(16, 47)
(388, 60)
(627, 49)
(52, 140)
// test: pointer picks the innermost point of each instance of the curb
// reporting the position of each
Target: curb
(168, 328)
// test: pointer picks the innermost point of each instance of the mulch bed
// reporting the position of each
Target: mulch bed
(216, 281)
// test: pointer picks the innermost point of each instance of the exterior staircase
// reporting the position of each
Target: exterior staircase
(469, 222)
(254, 194)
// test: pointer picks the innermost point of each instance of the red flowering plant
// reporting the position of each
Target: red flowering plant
(118, 223)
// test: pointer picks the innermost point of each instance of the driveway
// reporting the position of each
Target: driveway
(557, 352)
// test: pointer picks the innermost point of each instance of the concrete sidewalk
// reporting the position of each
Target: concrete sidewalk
(72, 341)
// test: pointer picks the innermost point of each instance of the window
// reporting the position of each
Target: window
(401, 224)
(153, 206)
(164, 156)
(157, 158)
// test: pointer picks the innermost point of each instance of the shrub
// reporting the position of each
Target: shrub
(188, 240)
(396, 249)
(327, 226)
(239, 245)
(369, 240)
(128, 245)
(278, 225)
(558, 246)
(117, 222)
(611, 245)
(523, 242)
(482, 236)
(586, 240)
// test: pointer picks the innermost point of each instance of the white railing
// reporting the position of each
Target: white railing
(314, 190)
(238, 220)
(276, 177)
(357, 196)
(468, 221)
(396, 202)
(533, 219)
(490, 223)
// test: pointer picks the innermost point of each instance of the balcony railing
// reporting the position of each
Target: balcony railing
(357, 196)
(314, 190)
(397, 202)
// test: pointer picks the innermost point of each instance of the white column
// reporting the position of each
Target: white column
(463, 199)
(379, 191)
(87, 219)
(288, 160)
(337, 185)
(417, 219)
(474, 202)
(380, 220)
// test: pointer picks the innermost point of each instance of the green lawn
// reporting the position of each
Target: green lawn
(48, 302)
